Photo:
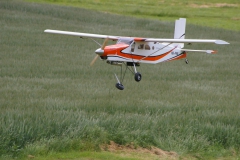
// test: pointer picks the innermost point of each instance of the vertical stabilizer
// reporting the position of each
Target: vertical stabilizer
(179, 32)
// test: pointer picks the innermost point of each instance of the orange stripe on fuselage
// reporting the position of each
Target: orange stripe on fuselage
(184, 55)
(116, 50)
(138, 57)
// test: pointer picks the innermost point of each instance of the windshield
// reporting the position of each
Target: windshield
(125, 40)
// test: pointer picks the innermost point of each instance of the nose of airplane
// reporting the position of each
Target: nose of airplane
(99, 51)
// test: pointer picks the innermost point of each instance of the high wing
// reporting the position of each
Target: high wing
(89, 35)
(188, 41)
(182, 40)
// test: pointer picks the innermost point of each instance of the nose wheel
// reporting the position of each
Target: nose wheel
(119, 86)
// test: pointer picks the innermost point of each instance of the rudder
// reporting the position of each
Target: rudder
(179, 33)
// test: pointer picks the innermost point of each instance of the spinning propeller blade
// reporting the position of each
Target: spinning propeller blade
(104, 44)
(102, 48)
(94, 60)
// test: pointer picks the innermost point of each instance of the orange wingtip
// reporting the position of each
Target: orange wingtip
(214, 52)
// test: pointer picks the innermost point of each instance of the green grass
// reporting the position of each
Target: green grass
(86, 155)
(52, 101)
(214, 13)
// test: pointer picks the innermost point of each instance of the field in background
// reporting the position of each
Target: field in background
(51, 100)
(213, 13)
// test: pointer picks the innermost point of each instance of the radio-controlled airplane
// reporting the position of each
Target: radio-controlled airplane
(131, 51)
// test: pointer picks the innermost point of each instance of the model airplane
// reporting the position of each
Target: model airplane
(131, 51)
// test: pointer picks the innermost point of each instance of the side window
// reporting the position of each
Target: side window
(147, 47)
(141, 46)
(133, 47)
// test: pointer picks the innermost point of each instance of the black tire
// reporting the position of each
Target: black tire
(119, 86)
(137, 77)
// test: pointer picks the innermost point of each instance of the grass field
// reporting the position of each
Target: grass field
(213, 13)
(52, 101)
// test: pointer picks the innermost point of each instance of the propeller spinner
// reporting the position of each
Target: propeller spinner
(99, 51)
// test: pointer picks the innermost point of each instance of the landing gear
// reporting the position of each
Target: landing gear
(186, 61)
(137, 75)
(119, 86)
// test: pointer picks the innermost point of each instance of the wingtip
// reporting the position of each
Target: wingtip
(221, 42)
(211, 51)
(46, 30)
(214, 52)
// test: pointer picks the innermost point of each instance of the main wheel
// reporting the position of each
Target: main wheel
(138, 77)
(186, 61)
(119, 86)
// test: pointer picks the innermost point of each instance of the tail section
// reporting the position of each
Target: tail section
(179, 32)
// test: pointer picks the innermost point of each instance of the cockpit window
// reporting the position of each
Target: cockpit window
(125, 40)
(140, 46)
(147, 47)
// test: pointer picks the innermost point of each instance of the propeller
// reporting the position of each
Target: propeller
(104, 44)
(99, 51)
(94, 60)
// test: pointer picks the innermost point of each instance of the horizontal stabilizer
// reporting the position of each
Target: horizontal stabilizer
(204, 51)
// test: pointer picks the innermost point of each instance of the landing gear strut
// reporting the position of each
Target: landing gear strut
(137, 75)
(118, 84)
